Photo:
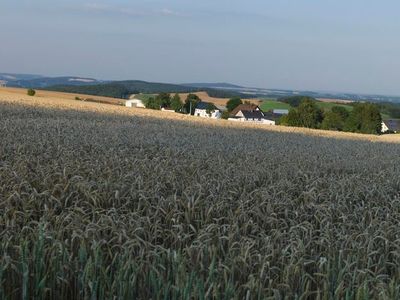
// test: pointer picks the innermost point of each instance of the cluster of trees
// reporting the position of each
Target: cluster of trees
(364, 118)
(164, 100)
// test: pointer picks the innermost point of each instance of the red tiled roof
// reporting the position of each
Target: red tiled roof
(244, 107)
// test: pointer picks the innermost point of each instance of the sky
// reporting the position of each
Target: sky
(328, 45)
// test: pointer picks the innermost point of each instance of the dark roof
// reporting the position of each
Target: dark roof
(393, 125)
(272, 116)
(203, 105)
(244, 107)
(254, 114)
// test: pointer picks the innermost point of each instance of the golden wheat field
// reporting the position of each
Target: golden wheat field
(104, 202)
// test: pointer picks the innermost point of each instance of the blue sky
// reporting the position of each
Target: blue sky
(329, 45)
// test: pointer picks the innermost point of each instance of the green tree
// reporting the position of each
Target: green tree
(365, 118)
(191, 102)
(152, 103)
(332, 121)
(164, 99)
(335, 118)
(306, 115)
(310, 115)
(31, 92)
(340, 110)
(292, 119)
(161, 100)
(176, 103)
(233, 103)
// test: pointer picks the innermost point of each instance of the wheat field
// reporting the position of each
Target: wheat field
(104, 202)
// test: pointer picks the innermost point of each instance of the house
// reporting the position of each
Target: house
(244, 107)
(207, 110)
(255, 116)
(3, 83)
(390, 126)
(134, 103)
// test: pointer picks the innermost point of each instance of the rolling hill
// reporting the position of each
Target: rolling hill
(122, 89)
(44, 82)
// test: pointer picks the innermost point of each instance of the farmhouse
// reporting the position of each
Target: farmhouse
(134, 103)
(3, 83)
(244, 107)
(390, 126)
(256, 116)
(207, 110)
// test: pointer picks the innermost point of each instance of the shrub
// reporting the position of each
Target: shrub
(225, 115)
(31, 92)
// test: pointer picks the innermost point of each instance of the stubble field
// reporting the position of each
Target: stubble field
(98, 202)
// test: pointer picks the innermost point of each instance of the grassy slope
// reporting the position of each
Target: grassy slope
(329, 105)
(267, 105)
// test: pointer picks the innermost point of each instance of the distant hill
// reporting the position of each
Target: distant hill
(122, 89)
(44, 82)
(12, 77)
(221, 85)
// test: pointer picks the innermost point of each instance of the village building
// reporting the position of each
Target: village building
(390, 126)
(244, 107)
(251, 113)
(207, 110)
(134, 103)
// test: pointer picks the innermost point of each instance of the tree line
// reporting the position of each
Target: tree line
(364, 118)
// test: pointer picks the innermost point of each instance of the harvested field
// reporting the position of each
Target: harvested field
(217, 101)
(103, 202)
(14, 93)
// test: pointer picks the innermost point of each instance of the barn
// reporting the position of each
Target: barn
(134, 103)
